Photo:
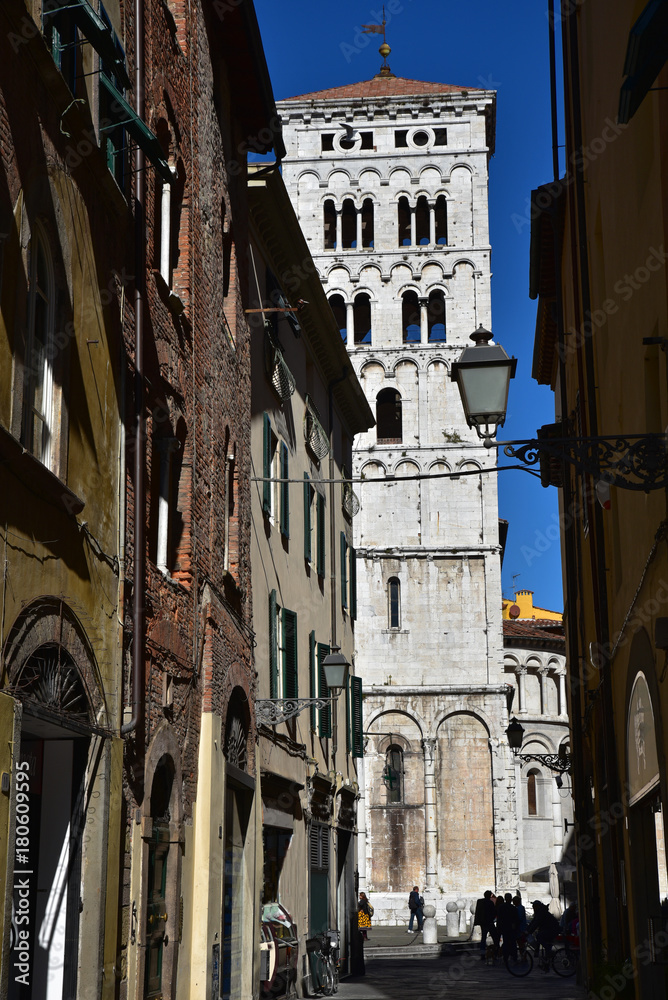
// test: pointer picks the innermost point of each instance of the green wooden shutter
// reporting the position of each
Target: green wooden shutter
(266, 465)
(312, 677)
(323, 692)
(273, 647)
(290, 680)
(322, 527)
(307, 518)
(285, 493)
(353, 583)
(348, 726)
(356, 713)
(344, 574)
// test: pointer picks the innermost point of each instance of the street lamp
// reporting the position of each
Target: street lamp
(629, 461)
(560, 762)
(272, 711)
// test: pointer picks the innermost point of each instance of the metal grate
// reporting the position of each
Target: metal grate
(314, 432)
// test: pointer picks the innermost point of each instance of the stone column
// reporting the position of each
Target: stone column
(358, 216)
(361, 824)
(429, 751)
(521, 673)
(542, 673)
(563, 701)
(350, 323)
(413, 227)
(424, 321)
(339, 230)
(432, 224)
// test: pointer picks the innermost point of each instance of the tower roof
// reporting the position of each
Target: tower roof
(383, 86)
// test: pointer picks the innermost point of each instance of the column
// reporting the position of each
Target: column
(432, 224)
(339, 230)
(520, 673)
(350, 324)
(542, 673)
(557, 824)
(358, 219)
(413, 227)
(424, 321)
(429, 751)
(361, 823)
(563, 701)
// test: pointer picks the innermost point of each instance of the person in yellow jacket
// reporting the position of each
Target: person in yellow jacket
(364, 915)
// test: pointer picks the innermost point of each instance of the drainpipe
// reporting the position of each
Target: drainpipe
(138, 569)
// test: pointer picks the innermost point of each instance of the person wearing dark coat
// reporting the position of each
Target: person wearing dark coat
(544, 926)
(485, 918)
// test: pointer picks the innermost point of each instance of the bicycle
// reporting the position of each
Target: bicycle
(563, 960)
(323, 950)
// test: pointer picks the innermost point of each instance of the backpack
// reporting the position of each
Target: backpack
(421, 900)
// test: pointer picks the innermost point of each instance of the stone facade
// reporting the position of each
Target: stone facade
(389, 179)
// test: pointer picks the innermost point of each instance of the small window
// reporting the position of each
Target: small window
(401, 139)
(347, 142)
(410, 318)
(327, 142)
(38, 423)
(532, 798)
(422, 222)
(441, 220)
(388, 417)
(338, 307)
(421, 138)
(440, 137)
(60, 35)
(113, 139)
(367, 223)
(330, 225)
(436, 316)
(394, 598)
(362, 318)
(394, 774)
(349, 225)
(367, 140)
(404, 219)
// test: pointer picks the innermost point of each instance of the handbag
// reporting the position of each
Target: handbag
(363, 919)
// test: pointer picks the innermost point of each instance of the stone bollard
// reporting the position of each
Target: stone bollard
(429, 925)
(452, 920)
(461, 906)
(477, 930)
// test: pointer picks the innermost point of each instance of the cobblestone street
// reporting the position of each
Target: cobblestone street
(458, 976)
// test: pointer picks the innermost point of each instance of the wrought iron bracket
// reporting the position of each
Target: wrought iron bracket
(555, 761)
(629, 461)
(273, 711)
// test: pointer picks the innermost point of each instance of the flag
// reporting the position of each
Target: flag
(372, 29)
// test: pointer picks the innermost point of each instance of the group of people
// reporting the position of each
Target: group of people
(504, 919)
(365, 912)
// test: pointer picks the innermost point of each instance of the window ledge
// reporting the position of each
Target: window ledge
(395, 631)
(32, 473)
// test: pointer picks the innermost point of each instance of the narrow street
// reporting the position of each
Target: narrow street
(464, 977)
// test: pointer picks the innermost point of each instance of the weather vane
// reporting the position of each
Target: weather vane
(379, 29)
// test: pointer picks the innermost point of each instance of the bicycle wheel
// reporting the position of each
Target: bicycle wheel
(519, 964)
(326, 980)
(564, 962)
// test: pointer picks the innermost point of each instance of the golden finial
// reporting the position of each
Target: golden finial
(384, 50)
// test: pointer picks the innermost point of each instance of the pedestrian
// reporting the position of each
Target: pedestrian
(506, 923)
(364, 915)
(485, 916)
(415, 905)
(544, 926)
(521, 916)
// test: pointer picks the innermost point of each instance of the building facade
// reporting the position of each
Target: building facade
(598, 270)
(389, 180)
(307, 408)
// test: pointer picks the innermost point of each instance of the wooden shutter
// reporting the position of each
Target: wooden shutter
(322, 528)
(273, 647)
(312, 677)
(307, 518)
(348, 715)
(325, 719)
(266, 465)
(285, 492)
(290, 681)
(357, 723)
(353, 583)
(344, 573)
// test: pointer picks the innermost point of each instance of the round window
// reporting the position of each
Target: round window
(420, 138)
(346, 143)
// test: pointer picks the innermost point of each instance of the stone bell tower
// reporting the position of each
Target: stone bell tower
(389, 178)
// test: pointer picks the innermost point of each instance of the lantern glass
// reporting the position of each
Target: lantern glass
(483, 375)
(515, 734)
(335, 668)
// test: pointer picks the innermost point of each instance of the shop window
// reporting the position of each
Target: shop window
(404, 220)
(410, 318)
(338, 307)
(441, 220)
(367, 223)
(394, 602)
(388, 417)
(436, 316)
(330, 225)
(349, 225)
(422, 222)
(394, 773)
(362, 318)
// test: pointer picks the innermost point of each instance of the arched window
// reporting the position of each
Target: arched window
(394, 773)
(349, 225)
(441, 220)
(436, 316)
(388, 417)
(362, 318)
(422, 222)
(410, 318)
(404, 218)
(330, 225)
(38, 410)
(532, 792)
(394, 602)
(367, 223)
(339, 310)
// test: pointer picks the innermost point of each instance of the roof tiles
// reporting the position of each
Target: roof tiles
(383, 86)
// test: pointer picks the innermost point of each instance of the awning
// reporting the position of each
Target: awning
(94, 30)
(124, 115)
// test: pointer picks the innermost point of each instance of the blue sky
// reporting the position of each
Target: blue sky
(482, 43)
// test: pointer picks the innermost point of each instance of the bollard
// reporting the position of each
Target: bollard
(429, 925)
(461, 904)
(452, 920)
(476, 933)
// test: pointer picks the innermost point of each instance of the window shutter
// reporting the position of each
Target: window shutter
(289, 653)
(356, 713)
(348, 726)
(307, 518)
(344, 574)
(285, 493)
(273, 647)
(320, 513)
(324, 848)
(323, 692)
(353, 583)
(266, 466)
(312, 677)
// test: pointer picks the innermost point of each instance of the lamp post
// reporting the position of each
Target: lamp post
(560, 762)
(272, 711)
(628, 461)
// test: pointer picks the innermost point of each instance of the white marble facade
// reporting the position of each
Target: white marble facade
(390, 182)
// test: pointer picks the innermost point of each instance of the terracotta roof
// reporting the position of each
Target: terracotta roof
(533, 628)
(383, 86)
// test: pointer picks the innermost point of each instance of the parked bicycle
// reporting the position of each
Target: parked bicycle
(563, 960)
(323, 952)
